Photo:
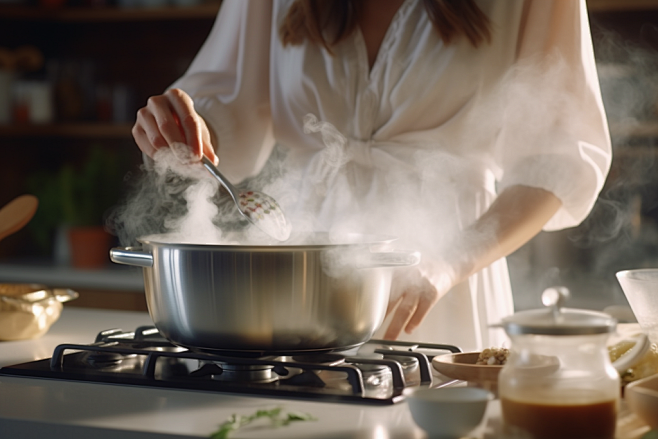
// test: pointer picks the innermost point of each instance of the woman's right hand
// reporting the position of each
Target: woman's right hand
(170, 118)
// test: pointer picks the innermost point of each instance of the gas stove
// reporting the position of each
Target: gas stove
(375, 373)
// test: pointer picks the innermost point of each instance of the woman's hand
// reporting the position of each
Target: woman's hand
(168, 119)
(413, 294)
(515, 217)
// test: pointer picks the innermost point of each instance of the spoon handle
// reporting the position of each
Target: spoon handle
(232, 190)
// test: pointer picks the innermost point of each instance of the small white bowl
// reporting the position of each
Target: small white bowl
(642, 398)
(449, 412)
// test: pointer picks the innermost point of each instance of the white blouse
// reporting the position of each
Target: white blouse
(419, 145)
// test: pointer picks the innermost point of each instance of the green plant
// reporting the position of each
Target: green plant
(75, 195)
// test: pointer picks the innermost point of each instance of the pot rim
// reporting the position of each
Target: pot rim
(331, 241)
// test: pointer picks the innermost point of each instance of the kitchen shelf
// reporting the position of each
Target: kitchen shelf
(109, 13)
(635, 129)
(68, 130)
(209, 10)
(621, 5)
(115, 278)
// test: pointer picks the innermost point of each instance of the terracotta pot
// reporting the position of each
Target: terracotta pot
(90, 247)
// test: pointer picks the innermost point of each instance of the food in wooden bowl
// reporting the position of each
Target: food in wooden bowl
(463, 366)
(477, 368)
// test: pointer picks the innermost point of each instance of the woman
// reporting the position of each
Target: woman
(464, 128)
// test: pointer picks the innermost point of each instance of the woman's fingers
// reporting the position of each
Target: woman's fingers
(401, 316)
(209, 152)
(167, 119)
(207, 140)
(142, 140)
(147, 128)
(170, 119)
(426, 298)
(189, 123)
(413, 295)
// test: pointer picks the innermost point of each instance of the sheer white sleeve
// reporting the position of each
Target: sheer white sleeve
(555, 134)
(229, 83)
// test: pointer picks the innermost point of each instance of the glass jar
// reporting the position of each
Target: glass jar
(558, 381)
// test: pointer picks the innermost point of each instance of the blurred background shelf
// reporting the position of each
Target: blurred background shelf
(44, 271)
(93, 67)
(621, 5)
(72, 130)
(109, 13)
(634, 129)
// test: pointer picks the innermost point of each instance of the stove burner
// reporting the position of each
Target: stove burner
(245, 373)
(145, 358)
(163, 348)
(326, 359)
(265, 354)
(104, 359)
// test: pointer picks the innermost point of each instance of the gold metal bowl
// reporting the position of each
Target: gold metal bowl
(28, 310)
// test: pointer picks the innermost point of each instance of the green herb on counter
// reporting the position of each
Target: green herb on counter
(277, 419)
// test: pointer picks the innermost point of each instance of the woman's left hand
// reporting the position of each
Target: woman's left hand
(515, 217)
(412, 297)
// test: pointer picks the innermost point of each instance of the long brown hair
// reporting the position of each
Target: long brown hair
(328, 22)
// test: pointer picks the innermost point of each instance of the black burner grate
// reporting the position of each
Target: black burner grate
(145, 358)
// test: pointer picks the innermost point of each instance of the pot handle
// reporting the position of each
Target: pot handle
(401, 258)
(129, 256)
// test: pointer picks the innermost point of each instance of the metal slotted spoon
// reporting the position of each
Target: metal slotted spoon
(258, 208)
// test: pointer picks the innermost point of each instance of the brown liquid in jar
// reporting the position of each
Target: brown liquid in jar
(564, 421)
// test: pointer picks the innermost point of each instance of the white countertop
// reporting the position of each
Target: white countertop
(36, 408)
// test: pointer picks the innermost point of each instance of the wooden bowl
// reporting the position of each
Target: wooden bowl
(462, 367)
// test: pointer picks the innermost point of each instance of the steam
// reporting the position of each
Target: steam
(407, 189)
(621, 231)
(332, 157)
(174, 195)
(622, 224)
(353, 186)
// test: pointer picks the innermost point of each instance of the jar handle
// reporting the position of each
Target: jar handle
(633, 355)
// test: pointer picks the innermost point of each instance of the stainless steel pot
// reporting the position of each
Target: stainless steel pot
(325, 295)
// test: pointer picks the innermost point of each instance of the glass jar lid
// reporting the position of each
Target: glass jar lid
(555, 320)
(570, 322)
